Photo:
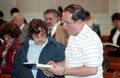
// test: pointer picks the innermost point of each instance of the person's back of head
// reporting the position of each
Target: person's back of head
(2, 21)
(1, 14)
(60, 10)
(14, 10)
(87, 14)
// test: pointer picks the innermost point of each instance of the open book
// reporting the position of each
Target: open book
(110, 44)
(33, 65)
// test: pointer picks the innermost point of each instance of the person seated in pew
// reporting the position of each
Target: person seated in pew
(115, 36)
(11, 33)
(92, 22)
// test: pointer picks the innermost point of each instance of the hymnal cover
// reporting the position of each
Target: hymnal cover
(111, 44)
(33, 65)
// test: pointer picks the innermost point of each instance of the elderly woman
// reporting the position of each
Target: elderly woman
(39, 48)
(10, 32)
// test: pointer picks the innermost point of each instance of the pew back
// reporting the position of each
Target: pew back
(5, 76)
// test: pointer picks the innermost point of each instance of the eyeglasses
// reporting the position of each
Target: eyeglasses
(16, 20)
(40, 35)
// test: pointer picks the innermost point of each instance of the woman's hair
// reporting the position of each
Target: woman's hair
(11, 29)
(37, 26)
(115, 16)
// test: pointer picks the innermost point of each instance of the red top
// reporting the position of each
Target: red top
(9, 58)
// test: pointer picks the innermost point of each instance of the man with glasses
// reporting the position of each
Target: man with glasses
(84, 52)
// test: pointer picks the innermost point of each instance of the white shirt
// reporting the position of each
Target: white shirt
(22, 26)
(84, 49)
(54, 29)
(34, 52)
(115, 37)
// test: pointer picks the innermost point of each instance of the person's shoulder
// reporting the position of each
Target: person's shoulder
(60, 27)
(2, 21)
(113, 30)
(54, 42)
(25, 43)
(25, 26)
(17, 41)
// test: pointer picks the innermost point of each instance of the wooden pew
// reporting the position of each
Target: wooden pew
(115, 66)
(110, 75)
(105, 38)
(114, 59)
(105, 52)
(5, 76)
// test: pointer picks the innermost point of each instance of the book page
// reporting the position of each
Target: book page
(111, 44)
(33, 65)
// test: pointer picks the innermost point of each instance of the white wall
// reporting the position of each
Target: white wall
(5, 6)
(118, 5)
(100, 9)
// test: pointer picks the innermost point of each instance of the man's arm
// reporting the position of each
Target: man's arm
(77, 71)
(81, 71)
(62, 63)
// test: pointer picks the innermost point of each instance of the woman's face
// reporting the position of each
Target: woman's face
(9, 39)
(39, 39)
(116, 23)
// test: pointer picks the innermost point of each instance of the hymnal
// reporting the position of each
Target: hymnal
(111, 44)
(33, 65)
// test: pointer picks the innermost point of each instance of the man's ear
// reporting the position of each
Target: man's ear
(79, 21)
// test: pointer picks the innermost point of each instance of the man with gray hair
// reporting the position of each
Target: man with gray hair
(52, 19)
(18, 19)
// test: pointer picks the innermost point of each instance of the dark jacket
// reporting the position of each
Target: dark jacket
(1, 35)
(112, 34)
(117, 52)
(52, 51)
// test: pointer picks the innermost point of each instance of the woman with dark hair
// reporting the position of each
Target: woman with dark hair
(38, 49)
(115, 35)
(11, 33)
